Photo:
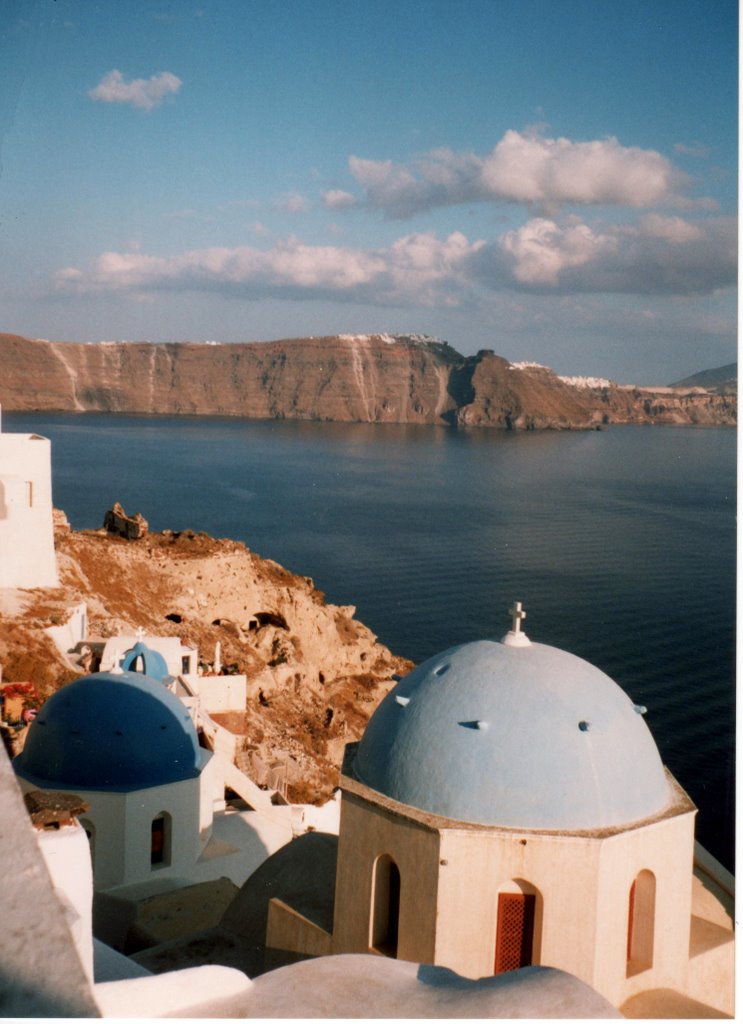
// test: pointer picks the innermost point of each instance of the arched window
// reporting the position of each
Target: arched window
(641, 923)
(515, 927)
(160, 836)
(385, 920)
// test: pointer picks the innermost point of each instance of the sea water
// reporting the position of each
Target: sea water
(620, 543)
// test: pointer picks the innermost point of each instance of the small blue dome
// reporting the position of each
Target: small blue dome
(152, 662)
(111, 731)
(520, 736)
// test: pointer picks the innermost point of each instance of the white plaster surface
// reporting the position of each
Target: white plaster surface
(371, 986)
(72, 631)
(40, 970)
(66, 853)
(185, 993)
(252, 836)
(220, 693)
(27, 556)
(170, 647)
(325, 818)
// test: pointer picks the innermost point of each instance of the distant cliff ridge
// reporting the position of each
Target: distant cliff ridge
(723, 379)
(347, 378)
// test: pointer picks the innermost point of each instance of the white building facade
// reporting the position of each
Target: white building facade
(27, 557)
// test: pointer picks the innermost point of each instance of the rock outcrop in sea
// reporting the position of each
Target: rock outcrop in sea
(346, 378)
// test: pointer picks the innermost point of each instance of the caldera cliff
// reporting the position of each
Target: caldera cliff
(346, 378)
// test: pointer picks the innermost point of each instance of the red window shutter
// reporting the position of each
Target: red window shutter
(515, 931)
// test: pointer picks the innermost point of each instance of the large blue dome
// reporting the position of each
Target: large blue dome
(524, 736)
(111, 731)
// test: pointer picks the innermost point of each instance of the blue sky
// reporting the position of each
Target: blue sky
(554, 180)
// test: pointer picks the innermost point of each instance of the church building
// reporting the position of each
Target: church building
(507, 806)
(127, 746)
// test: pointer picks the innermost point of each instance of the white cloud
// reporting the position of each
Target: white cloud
(522, 168)
(291, 202)
(417, 269)
(144, 93)
(675, 230)
(656, 256)
(337, 199)
(540, 251)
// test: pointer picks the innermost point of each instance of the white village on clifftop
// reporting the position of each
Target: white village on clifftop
(505, 840)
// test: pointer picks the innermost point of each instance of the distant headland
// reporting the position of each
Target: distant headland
(374, 378)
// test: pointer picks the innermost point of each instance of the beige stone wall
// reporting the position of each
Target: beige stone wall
(368, 832)
(451, 878)
(665, 848)
(289, 930)
(481, 864)
(582, 885)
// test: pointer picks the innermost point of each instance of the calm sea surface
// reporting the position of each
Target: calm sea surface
(620, 544)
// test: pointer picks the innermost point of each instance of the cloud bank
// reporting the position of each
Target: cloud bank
(417, 268)
(657, 255)
(522, 168)
(143, 93)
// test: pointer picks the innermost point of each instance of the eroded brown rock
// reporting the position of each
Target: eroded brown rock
(315, 673)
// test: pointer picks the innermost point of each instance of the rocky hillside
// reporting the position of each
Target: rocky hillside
(317, 673)
(351, 378)
(722, 379)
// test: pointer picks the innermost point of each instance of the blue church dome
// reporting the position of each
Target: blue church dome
(111, 731)
(514, 734)
(152, 662)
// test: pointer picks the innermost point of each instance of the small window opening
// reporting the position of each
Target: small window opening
(386, 906)
(160, 841)
(641, 924)
(30, 485)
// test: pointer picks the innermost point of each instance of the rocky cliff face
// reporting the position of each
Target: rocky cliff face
(351, 378)
(315, 672)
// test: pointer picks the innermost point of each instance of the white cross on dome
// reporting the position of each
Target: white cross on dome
(514, 637)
